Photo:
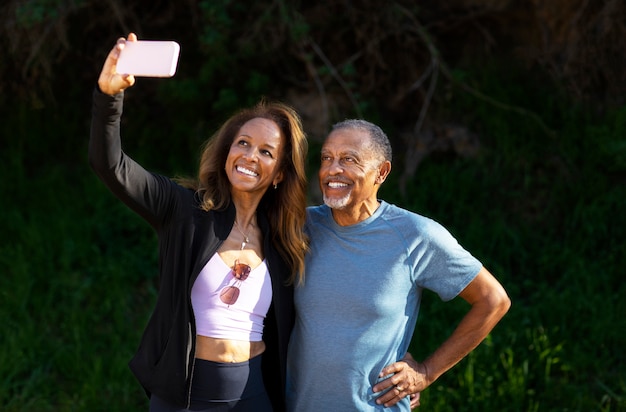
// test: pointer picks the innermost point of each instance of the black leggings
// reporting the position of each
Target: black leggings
(218, 387)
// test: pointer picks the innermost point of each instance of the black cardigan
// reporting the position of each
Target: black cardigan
(188, 236)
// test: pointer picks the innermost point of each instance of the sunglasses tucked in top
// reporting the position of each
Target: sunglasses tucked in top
(231, 302)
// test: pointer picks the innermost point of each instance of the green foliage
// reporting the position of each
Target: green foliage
(70, 300)
(545, 214)
(32, 12)
(239, 44)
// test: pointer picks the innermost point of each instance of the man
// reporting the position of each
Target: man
(368, 264)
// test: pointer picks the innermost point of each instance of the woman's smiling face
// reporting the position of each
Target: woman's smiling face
(253, 162)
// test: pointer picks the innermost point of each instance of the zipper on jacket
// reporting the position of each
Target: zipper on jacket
(193, 365)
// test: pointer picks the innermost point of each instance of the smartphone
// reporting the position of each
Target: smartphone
(149, 58)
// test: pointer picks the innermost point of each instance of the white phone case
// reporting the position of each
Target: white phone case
(149, 58)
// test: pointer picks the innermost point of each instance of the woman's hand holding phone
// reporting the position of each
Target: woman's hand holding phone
(110, 81)
(130, 58)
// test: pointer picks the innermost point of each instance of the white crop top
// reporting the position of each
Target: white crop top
(242, 320)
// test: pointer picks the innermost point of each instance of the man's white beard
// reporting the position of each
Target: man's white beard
(337, 203)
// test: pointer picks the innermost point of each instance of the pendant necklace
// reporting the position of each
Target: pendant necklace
(246, 240)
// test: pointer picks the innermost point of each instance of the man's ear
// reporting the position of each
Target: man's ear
(383, 171)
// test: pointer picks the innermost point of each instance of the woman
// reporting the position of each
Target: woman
(231, 247)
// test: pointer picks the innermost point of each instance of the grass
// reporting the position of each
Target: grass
(544, 214)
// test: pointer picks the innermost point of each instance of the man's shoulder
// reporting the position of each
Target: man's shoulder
(405, 219)
(316, 212)
(392, 211)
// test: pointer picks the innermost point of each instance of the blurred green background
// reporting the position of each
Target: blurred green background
(508, 122)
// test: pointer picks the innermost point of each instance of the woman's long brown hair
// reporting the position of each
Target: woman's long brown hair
(284, 206)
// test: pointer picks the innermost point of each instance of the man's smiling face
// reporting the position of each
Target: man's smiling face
(348, 170)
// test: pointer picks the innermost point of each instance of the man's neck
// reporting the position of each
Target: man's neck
(353, 215)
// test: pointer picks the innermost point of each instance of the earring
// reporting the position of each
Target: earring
(275, 186)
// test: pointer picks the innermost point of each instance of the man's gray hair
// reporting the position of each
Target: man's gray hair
(378, 138)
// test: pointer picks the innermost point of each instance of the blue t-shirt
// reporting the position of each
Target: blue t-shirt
(357, 309)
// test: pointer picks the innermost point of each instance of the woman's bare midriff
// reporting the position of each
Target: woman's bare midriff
(227, 351)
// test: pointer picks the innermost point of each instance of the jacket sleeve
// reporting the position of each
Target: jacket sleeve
(148, 194)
